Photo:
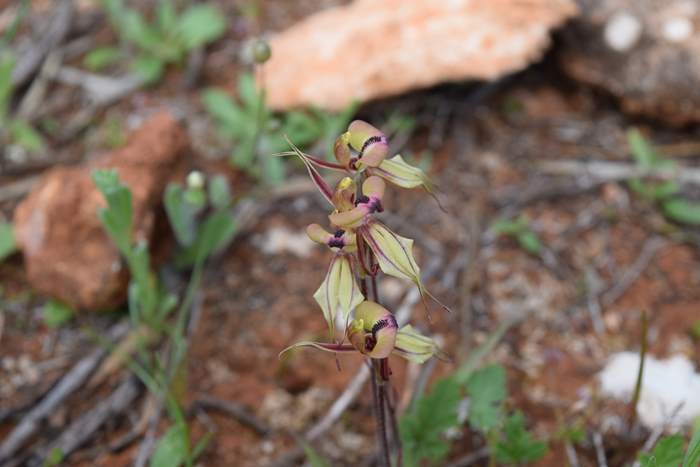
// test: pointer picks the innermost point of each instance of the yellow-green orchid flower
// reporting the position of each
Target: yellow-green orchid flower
(369, 203)
(374, 333)
(339, 292)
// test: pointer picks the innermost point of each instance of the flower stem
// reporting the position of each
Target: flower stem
(378, 392)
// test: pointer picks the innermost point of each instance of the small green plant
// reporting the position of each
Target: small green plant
(14, 130)
(520, 230)
(163, 41)
(664, 194)
(7, 240)
(423, 427)
(202, 222)
(56, 314)
(669, 452)
(255, 132)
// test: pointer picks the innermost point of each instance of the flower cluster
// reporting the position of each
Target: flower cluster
(362, 246)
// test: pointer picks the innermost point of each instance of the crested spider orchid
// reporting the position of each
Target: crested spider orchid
(363, 246)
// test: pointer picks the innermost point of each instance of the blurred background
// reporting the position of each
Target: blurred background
(142, 310)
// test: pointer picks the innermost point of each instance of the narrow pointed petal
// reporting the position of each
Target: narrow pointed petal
(339, 292)
(415, 347)
(313, 173)
(326, 347)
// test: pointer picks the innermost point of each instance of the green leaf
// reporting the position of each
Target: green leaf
(181, 214)
(54, 459)
(166, 16)
(273, 169)
(665, 190)
(101, 57)
(301, 128)
(224, 110)
(199, 25)
(645, 155)
(248, 93)
(530, 242)
(117, 216)
(56, 314)
(518, 446)
(682, 211)
(692, 456)
(134, 28)
(313, 457)
(170, 450)
(215, 234)
(7, 240)
(7, 64)
(26, 136)
(668, 452)
(148, 67)
(219, 192)
(487, 389)
(421, 429)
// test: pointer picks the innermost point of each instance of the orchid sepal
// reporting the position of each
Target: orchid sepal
(415, 347)
(339, 292)
(394, 255)
(325, 346)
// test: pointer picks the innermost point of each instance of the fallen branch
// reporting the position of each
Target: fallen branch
(68, 384)
(240, 413)
(611, 171)
(85, 427)
(30, 60)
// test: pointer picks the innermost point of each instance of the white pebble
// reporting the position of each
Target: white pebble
(677, 29)
(622, 32)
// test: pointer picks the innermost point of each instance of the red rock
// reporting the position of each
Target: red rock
(378, 48)
(645, 53)
(67, 253)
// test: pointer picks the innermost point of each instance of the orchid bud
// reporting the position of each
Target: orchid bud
(260, 50)
(369, 141)
(373, 331)
(341, 149)
(339, 292)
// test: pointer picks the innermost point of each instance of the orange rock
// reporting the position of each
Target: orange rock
(67, 253)
(378, 48)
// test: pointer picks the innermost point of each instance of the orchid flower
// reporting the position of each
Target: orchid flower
(339, 292)
(368, 203)
(364, 147)
(374, 333)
